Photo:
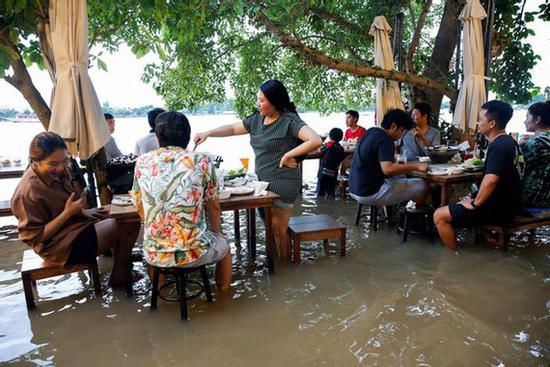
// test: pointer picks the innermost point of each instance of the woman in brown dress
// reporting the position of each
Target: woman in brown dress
(52, 215)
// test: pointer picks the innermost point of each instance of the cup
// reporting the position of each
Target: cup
(244, 162)
(401, 159)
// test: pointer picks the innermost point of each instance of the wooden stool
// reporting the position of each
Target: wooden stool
(181, 284)
(424, 211)
(315, 227)
(35, 268)
(373, 215)
(342, 186)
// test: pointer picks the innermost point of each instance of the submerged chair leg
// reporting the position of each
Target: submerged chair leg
(405, 227)
(374, 217)
(181, 281)
(358, 214)
(206, 284)
(154, 290)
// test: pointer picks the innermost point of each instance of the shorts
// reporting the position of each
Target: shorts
(84, 247)
(393, 191)
(276, 204)
(282, 205)
(462, 217)
(215, 253)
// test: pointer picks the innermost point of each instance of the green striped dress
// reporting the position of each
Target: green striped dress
(270, 143)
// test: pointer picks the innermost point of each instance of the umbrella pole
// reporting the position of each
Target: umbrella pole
(488, 43)
(458, 52)
(91, 182)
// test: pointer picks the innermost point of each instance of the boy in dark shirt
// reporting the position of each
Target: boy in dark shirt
(333, 155)
(498, 196)
(375, 178)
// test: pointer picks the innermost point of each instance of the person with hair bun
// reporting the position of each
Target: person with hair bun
(536, 152)
(52, 215)
(175, 192)
(278, 137)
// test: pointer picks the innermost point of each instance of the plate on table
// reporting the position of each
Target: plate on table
(241, 190)
(121, 201)
(437, 172)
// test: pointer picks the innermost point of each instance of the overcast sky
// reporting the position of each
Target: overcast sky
(121, 85)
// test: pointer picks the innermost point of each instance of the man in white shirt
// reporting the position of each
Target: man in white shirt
(149, 142)
(111, 149)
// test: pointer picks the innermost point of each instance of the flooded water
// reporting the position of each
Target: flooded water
(384, 304)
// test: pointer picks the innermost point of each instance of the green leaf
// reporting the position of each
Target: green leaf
(101, 64)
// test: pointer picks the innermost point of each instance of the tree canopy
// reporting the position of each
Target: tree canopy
(321, 49)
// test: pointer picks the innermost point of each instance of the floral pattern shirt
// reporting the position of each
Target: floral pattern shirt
(173, 184)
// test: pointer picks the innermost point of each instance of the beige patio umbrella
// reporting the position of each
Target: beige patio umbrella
(76, 112)
(472, 91)
(388, 95)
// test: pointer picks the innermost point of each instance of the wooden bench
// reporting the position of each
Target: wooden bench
(520, 222)
(5, 208)
(35, 268)
(315, 227)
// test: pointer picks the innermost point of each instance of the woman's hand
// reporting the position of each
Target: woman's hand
(288, 161)
(73, 205)
(200, 138)
(96, 213)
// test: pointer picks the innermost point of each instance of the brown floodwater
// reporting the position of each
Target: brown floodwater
(384, 304)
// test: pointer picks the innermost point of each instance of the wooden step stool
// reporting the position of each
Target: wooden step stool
(315, 227)
(35, 268)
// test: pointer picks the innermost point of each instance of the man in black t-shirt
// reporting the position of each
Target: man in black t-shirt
(375, 176)
(498, 196)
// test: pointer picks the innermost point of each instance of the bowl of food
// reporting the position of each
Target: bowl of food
(441, 154)
(234, 173)
(473, 165)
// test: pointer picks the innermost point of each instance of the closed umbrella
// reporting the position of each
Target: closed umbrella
(472, 91)
(76, 113)
(388, 95)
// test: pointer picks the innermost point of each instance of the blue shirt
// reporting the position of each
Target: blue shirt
(412, 148)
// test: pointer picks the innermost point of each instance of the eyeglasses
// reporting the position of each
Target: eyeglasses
(55, 164)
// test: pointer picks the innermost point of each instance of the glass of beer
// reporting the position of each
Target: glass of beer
(244, 162)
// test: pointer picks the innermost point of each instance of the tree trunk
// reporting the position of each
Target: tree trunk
(442, 54)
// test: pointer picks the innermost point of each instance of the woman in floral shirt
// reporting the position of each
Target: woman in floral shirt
(176, 194)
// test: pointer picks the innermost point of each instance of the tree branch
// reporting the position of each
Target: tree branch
(365, 71)
(21, 79)
(102, 30)
(341, 21)
(416, 36)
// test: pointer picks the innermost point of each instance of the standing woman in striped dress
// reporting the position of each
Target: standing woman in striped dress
(277, 136)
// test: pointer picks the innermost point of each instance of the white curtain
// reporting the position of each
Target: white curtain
(472, 91)
(76, 113)
(388, 94)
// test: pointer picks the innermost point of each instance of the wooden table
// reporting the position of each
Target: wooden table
(128, 214)
(129, 222)
(251, 203)
(446, 180)
(12, 171)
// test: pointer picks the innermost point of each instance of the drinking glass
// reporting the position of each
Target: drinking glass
(244, 162)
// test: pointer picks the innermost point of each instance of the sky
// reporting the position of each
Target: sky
(121, 84)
